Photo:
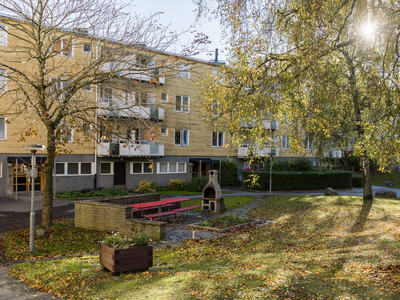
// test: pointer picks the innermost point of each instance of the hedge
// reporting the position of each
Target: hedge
(292, 181)
(357, 181)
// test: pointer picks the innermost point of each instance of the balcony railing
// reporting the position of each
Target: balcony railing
(144, 111)
(244, 151)
(333, 154)
(271, 125)
(126, 148)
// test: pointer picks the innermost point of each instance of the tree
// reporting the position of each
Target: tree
(46, 85)
(334, 66)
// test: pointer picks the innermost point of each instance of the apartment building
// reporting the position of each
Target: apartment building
(154, 130)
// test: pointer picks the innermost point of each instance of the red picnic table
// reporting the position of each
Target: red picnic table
(163, 203)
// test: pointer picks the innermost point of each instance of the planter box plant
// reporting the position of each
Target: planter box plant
(118, 254)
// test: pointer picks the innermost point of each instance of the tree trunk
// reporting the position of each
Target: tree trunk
(366, 174)
(47, 211)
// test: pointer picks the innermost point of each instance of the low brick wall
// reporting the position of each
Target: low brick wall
(114, 214)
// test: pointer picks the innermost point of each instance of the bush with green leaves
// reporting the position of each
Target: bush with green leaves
(146, 186)
(92, 193)
(197, 184)
(229, 173)
(357, 180)
(354, 162)
(116, 240)
(176, 185)
(141, 239)
(287, 165)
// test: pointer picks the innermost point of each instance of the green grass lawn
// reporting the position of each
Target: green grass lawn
(380, 178)
(310, 252)
(172, 193)
(230, 202)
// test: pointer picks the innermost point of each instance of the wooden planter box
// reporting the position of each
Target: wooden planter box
(130, 259)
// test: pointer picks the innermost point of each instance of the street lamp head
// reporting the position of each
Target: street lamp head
(34, 147)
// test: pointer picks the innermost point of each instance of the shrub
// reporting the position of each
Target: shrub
(357, 181)
(229, 174)
(349, 159)
(87, 193)
(290, 181)
(141, 239)
(287, 165)
(146, 186)
(176, 184)
(197, 184)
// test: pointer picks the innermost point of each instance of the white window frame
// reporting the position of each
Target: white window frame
(182, 70)
(177, 167)
(79, 168)
(111, 167)
(166, 98)
(308, 144)
(141, 162)
(5, 129)
(87, 88)
(182, 109)
(219, 142)
(83, 48)
(61, 53)
(103, 98)
(182, 131)
(69, 137)
(3, 81)
(3, 35)
(161, 131)
(215, 108)
(285, 142)
(1, 169)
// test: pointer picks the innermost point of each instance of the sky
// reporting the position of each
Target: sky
(180, 13)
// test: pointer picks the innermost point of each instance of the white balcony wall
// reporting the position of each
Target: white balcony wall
(243, 151)
(124, 148)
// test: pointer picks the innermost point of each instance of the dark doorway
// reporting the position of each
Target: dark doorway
(119, 173)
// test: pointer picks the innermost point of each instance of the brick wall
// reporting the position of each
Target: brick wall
(112, 214)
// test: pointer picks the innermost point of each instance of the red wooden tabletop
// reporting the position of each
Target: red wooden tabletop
(158, 203)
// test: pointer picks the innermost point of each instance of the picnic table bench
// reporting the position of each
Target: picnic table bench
(160, 204)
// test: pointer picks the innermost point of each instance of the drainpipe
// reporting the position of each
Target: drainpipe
(95, 122)
(16, 179)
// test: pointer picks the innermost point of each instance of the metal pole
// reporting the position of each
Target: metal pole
(270, 162)
(16, 179)
(32, 216)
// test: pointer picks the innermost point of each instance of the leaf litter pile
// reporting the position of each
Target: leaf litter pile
(310, 252)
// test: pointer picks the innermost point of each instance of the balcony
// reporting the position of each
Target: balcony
(128, 148)
(146, 111)
(243, 151)
(270, 125)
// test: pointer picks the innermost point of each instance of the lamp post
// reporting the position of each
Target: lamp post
(33, 148)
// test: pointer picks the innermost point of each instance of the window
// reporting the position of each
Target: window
(3, 35)
(141, 168)
(218, 139)
(106, 95)
(182, 103)
(164, 131)
(129, 98)
(87, 88)
(164, 97)
(181, 137)
(87, 128)
(182, 70)
(3, 128)
(74, 168)
(307, 143)
(285, 142)
(215, 108)
(171, 167)
(62, 47)
(3, 81)
(66, 133)
(59, 85)
(106, 168)
(87, 48)
(141, 98)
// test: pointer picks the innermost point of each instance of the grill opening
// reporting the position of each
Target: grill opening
(209, 193)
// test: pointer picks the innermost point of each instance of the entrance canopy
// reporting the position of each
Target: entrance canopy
(40, 159)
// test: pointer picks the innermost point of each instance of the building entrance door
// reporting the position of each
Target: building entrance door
(119, 173)
(23, 183)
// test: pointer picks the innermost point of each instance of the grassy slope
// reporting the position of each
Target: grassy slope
(310, 252)
(380, 178)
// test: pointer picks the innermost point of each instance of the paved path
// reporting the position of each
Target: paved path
(15, 214)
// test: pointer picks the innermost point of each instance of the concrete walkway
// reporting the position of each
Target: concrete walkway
(10, 209)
